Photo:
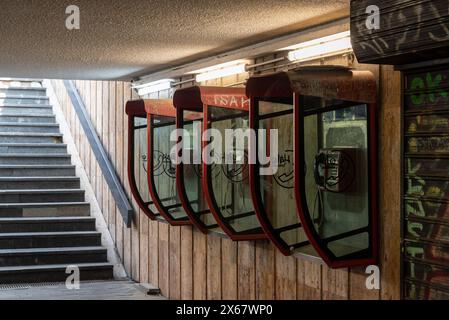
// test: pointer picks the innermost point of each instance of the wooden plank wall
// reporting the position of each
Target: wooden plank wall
(187, 264)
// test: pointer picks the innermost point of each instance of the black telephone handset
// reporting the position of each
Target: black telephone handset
(318, 170)
(334, 169)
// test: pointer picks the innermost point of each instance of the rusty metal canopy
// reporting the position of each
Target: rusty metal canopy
(328, 82)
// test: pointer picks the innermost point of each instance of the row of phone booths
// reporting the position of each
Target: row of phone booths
(320, 202)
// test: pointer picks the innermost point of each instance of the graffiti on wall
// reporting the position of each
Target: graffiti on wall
(403, 28)
(426, 188)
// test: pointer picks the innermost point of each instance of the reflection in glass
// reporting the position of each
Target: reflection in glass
(192, 171)
(230, 175)
(335, 182)
(164, 171)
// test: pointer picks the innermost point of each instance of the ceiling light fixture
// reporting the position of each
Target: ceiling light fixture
(220, 72)
(336, 44)
(152, 87)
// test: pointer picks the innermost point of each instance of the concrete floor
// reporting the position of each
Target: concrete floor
(102, 290)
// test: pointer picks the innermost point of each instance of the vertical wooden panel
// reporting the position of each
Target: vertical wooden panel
(357, 289)
(213, 268)
(389, 180)
(153, 255)
(187, 263)
(164, 264)
(199, 265)
(285, 277)
(120, 164)
(247, 272)
(105, 141)
(335, 284)
(308, 280)
(175, 263)
(135, 234)
(112, 154)
(127, 246)
(229, 259)
(265, 253)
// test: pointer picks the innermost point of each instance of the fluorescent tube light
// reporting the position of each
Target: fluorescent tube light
(152, 87)
(319, 48)
(221, 72)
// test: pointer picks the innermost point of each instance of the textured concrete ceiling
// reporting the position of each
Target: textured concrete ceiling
(124, 39)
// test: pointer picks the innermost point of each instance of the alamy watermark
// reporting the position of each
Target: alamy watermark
(73, 21)
(373, 19)
(73, 280)
(236, 147)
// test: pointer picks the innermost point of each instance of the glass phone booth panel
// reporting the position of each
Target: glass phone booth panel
(274, 195)
(226, 177)
(161, 168)
(189, 118)
(137, 157)
(334, 147)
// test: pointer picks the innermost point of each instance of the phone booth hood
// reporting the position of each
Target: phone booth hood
(332, 89)
(236, 217)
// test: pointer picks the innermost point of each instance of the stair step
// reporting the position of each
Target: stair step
(54, 273)
(15, 137)
(34, 148)
(43, 110)
(52, 256)
(29, 127)
(50, 239)
(61, 209)
(23, 183)
(41, 224)
(30, 159)
(23, 100)
(23, 91)
(26, 118)
(36, 196)
(37, 171)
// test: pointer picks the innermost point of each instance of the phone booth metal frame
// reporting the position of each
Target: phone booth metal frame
(231, 100)
(161, 109)
(336, 84)
(136, 109)
(189, 100)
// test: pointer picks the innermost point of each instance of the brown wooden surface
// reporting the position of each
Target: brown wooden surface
(187, 264)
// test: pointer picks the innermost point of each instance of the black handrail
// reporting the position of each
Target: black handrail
(107, 169)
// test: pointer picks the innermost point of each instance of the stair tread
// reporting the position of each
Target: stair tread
(15, 179)
(24, 88)
(50, 250)
(31, 145)
(24, 124)
(56, 266)
(20, 115)
(18, 96)
(42, 205)
(44, 219)
(47, 234)
(35, 166)
(41, 191)
(25, 105)
(34, 155)
(30, 134)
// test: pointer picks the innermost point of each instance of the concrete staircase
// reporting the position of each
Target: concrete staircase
(45, 223)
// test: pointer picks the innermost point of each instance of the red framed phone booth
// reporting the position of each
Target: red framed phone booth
(161, 116)
(327, 116)
(137, 157)
(226, 186)
(189, 117)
